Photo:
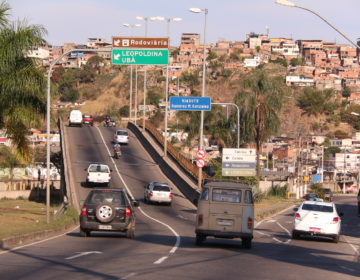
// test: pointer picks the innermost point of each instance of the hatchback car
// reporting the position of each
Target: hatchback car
(158, 192)
(121, 136)
(328, 195)
(311, 196)
(317, 218)
(108, 210)
(88, 119)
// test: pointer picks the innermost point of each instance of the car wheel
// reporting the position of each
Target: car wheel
(295, 235)
(105, 212)
(246, 243)
(130, 233)
(336, 239)
(169, 204)
(200, 239)
(84, 232)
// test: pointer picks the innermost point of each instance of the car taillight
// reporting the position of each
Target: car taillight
(170, 195)
(151, 193)
(127, 212)
(297, 216)
(83, 211)
(250, 223)
(200, 219)
(127, 137)
(335, 220)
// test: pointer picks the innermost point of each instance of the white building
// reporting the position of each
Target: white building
(347, 161)
(287, 49)
(299, 81)
(252, 62)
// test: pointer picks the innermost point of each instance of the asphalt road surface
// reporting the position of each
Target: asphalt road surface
(164, 244)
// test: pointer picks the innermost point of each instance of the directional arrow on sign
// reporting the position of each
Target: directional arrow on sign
(116, 56)
(116, 42)
(80, 254)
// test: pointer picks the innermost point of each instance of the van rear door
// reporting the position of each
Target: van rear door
(225, 213)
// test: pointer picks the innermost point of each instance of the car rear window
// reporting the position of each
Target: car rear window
(226, 195)
(160, 188)
(99, 168)
(97, 197)
(318, 208)
(122, 132)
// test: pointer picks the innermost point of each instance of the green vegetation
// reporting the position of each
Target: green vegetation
(23, 216)
(315, 102)
(124, 111)
(22, 84)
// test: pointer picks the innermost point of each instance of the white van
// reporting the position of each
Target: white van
(75, 118)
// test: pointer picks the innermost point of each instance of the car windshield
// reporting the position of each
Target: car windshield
(318, 208)
(121, 132)
(226, 195)
(97, 197)
(161, 188)
(99, 168)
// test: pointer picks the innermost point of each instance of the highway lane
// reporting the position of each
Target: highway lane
(274, 255)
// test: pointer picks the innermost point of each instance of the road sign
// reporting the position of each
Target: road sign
(140, 43)
(140, 56)
(190, 103)
(200, 163)
(200, 154)
(239, 162)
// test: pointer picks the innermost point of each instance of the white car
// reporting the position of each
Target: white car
(121, 136)
(317, 218)
(98, 174)
(158, 192)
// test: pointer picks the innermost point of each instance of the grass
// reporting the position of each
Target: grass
(23, 216)
(270, 205)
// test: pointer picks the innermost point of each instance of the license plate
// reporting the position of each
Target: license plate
(225, 223)
(313, 229)
(105, 227)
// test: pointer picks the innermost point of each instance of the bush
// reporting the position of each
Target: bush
(277, 191)
(258, 195)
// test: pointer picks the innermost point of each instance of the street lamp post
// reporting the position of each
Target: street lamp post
(201, 144)
(168, 20)
(290, 4)
(48, 101)
(131, 26)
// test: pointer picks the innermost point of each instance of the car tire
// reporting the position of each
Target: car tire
(246, 243)
(130, 233)
(169, 204)
(295, 235)
(105, 212)
(200, 239)
(336, 239)
(84, 232)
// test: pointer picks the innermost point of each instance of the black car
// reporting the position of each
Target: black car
(108, 210)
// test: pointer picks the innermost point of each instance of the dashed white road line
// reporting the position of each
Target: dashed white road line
(177, 243)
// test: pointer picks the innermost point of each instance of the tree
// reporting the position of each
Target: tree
(314, 101)
(94, 63)
(211, 56)
(22, 84)
(124, 111)
(9, 161)
(259, 103)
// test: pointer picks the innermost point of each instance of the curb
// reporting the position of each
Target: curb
(23, 239)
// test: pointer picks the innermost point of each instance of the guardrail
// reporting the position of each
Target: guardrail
(187, 165)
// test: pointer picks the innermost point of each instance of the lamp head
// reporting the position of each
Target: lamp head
(285, 3)
(140, 18)
(177, 19)
(160, 18)
(195, 10)
(126, 25)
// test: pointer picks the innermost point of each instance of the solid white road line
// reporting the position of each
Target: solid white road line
(40, 241)
(177, 243)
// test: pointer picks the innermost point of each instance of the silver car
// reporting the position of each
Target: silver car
(158, 192)
(121, 136)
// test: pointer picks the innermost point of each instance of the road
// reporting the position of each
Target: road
(164, 244)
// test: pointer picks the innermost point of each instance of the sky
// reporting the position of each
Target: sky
(77, 20)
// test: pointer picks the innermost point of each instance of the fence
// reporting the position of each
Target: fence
(181, 160)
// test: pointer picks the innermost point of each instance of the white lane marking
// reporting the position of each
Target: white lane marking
(351, 245)
(284, 228)
(132, 274)
(346, 268)
(282, 211)
(270, 221)
(40, 241)
(159, 261)
(177, 243)
(260, 232)
(81, 254)
(182, 217)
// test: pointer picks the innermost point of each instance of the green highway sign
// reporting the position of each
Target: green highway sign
(140, 56)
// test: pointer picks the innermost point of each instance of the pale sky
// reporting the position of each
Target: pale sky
(77, 20)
